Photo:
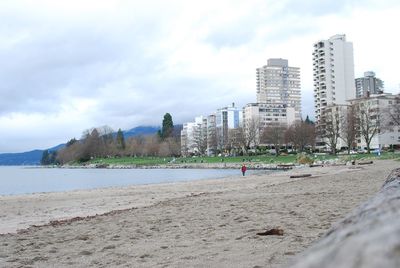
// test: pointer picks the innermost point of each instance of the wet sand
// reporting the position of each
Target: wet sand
(206, 223)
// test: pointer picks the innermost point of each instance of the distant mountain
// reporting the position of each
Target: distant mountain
(16, 159)
(148, 130)
(30, 158)
(56, 148)
(141, 131)
(34, 157)
(177, 130)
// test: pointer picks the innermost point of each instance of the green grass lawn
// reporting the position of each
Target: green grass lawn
(238, 159)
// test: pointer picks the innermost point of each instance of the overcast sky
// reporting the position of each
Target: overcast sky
(67, 66)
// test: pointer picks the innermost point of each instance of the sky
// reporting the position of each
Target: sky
(68, 66)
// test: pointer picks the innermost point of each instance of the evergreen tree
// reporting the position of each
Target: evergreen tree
(167, 127)
(308, 121)
(71, 141)
(49, 158)
(120, 140)
(45, 158)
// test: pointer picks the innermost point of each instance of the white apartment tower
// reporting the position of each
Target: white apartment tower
(279, 84)
(333, 73)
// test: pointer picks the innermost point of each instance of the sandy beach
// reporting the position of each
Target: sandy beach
(205, 223)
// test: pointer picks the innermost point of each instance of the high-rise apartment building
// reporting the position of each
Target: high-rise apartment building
(194, 137)
(227, 118)
(368, 85)
(333, 73)
(279, 84)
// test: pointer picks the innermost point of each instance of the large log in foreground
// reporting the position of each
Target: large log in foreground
(367, 237)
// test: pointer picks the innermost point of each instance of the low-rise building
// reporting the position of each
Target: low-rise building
(265, 115)
(194, 137)
(269, 114)
(375, 122)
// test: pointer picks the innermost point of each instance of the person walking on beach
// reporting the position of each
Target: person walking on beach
(244, 169)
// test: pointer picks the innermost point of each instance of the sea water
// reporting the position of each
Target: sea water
(26, 180)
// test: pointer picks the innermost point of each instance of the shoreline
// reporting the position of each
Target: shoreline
(131, 179)
(251, 166)
(95, 201)
(197, 223)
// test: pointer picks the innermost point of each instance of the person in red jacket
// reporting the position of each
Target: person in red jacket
(244, 169)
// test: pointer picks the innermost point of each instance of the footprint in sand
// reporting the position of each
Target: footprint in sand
(85, 253)
(108, 247)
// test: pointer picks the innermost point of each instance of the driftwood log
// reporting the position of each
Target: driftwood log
(366, 162)
(285, 166)
(300, 176)
(367, 237)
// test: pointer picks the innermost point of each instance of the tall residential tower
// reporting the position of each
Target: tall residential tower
(333, 73)
(369, 84)
(279, 84)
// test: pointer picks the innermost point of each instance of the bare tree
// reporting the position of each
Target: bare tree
(151, 145)
(349, 128)
(200, 139)
(212, 141)
(301, 134)
(93, 146)
(394, 111)
(174, 145)
(368, 122)
(184, 145)
(248, 136)
(135, 146)
(106, 132)
(330, 127)
(69, 153)
(274, 135)
(234, 140)
(163, 149)
(220, 139)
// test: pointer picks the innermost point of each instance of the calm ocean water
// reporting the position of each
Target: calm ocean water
(24, 180)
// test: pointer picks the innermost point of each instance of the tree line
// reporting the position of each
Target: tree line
(353, 124)
(358, 122)
(247, 139)
(104, 142)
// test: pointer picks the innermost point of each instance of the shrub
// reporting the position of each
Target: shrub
(304, 159)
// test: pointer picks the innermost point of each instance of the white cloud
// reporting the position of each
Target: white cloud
(73, 65)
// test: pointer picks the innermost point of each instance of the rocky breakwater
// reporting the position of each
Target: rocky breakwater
(254, 166)
(367, 237)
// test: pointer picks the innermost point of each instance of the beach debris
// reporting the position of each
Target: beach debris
(85, 253)
(316, 165)
(273, 231)
(285, 166)
(300, 176)
(197, 194)
(102, 165)
(108, 247)
(55, 223)
(365, 162)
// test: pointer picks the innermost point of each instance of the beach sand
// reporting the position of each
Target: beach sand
(205, 223)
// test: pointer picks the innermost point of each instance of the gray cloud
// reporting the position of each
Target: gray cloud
(130, 62)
